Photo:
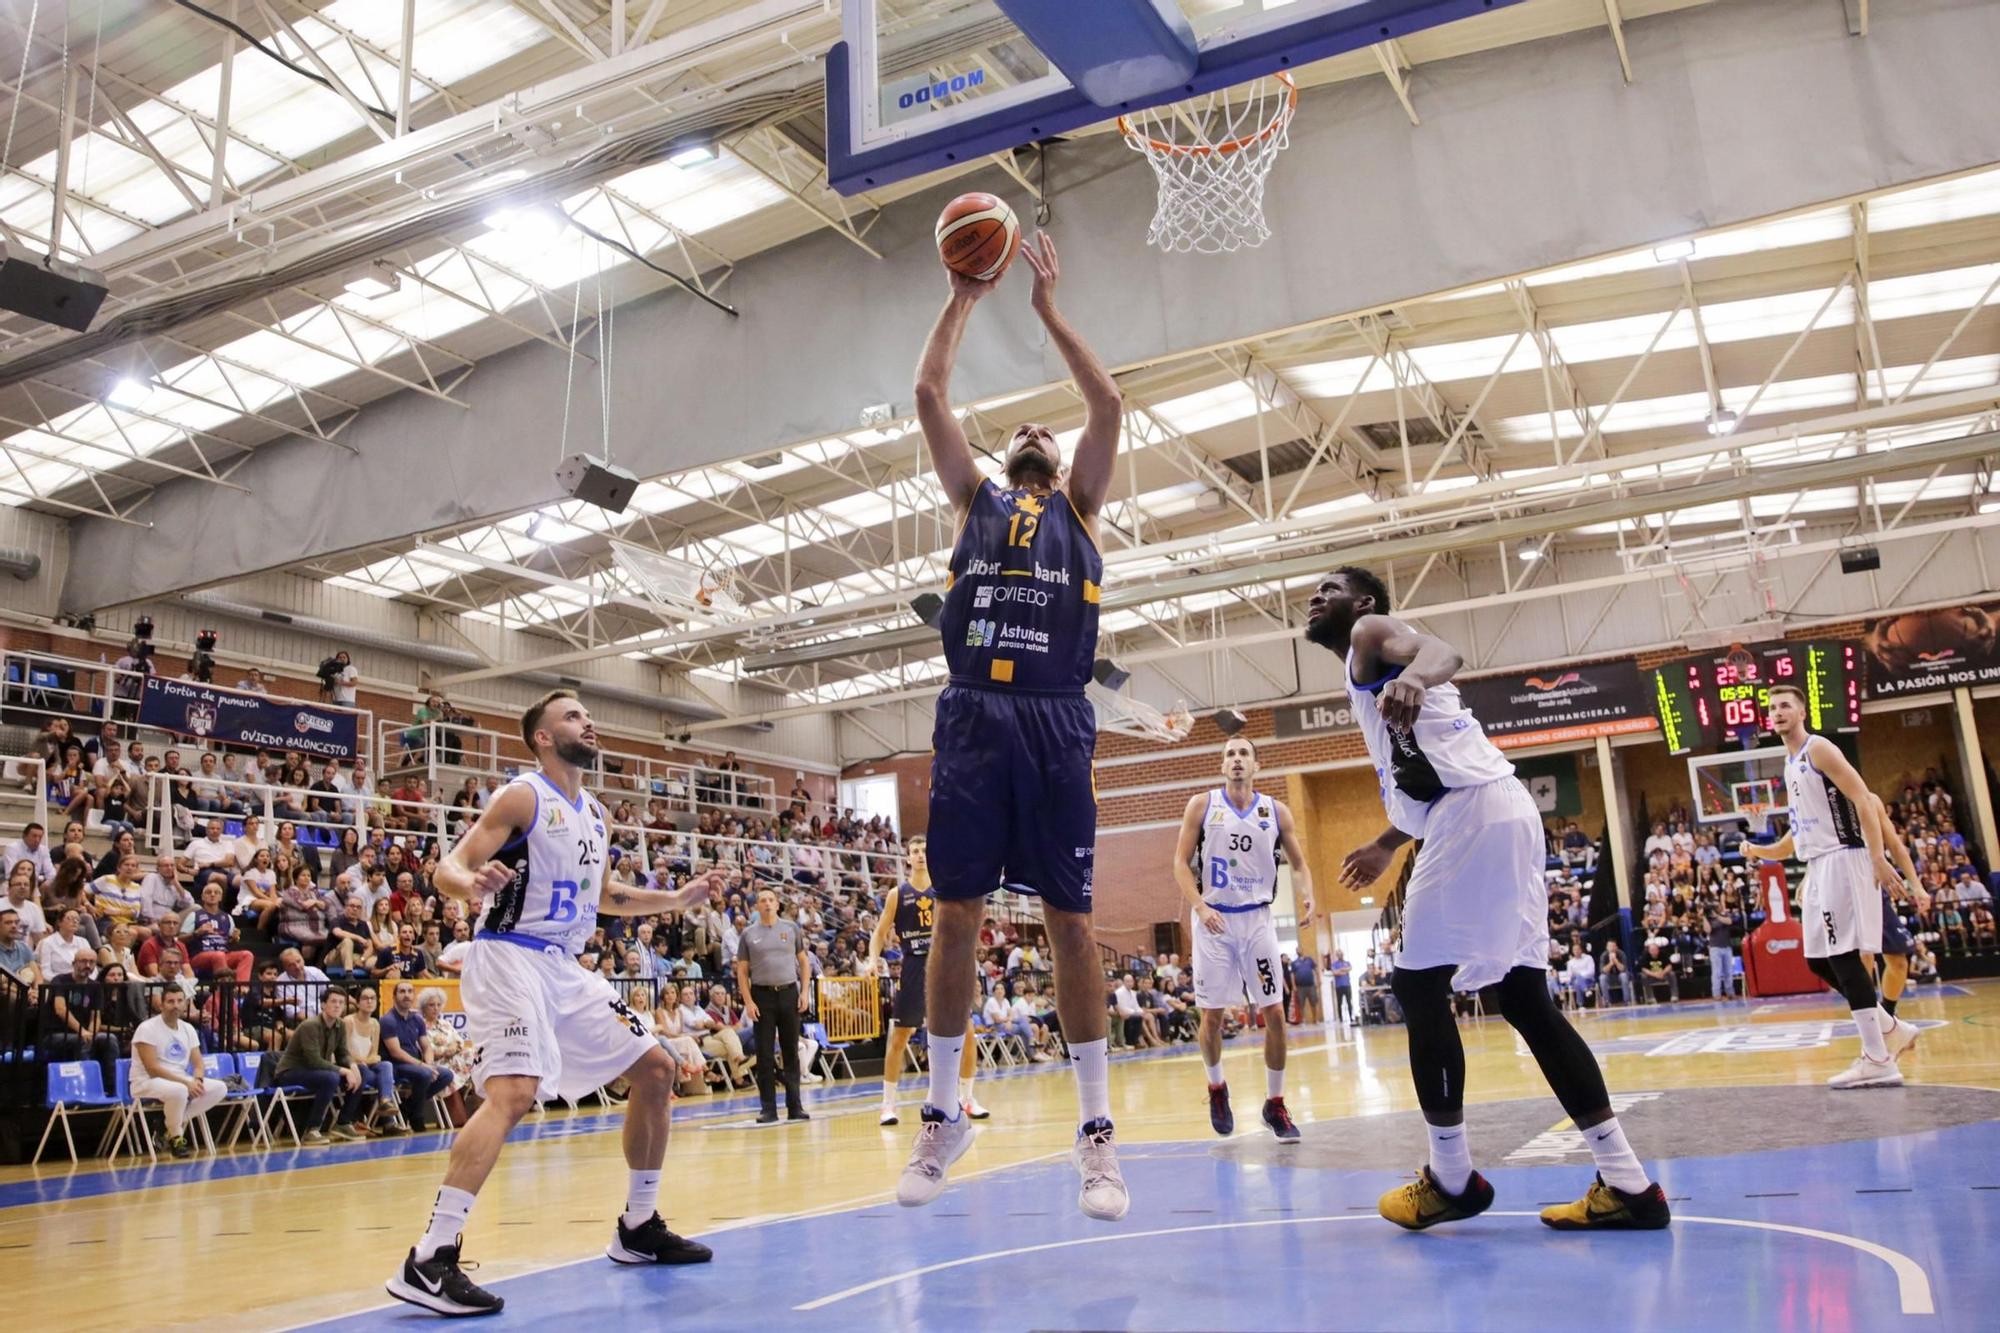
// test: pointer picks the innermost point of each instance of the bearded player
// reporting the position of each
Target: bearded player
(535, 871)
(1475, 911)
(1013, 803)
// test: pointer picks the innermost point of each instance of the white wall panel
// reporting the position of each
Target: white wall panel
(42, 535)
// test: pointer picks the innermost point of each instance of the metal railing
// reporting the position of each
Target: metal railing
(34, 773)
(445, 753)
(41, 686)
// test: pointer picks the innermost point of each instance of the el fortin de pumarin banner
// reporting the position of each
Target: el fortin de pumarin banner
(246, 719)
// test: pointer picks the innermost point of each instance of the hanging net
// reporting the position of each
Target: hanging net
(1210, 157)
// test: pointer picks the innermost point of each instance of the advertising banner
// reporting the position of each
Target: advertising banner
(239, 718)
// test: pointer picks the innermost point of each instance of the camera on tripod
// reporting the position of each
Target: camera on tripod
(142, 642)
(202, 665)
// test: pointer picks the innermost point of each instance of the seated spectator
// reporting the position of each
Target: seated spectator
(302, 917)
(212, 853)
(73, 1025)
(403, 1033)
(168, 1069)
(451, 962)
(1140, 1027)
(445, 1049)
(162, 942)
(364, 1045)
(60, 948)
(1980, 921)
(22, 900)
(404, 960)
(317, 1060)
(31, 847)
(350, 950)
(1656, 974)
(17, 959)
(1581, 974)
(120, 896)
(162, 891)
(1923, 963)
(718, 1039)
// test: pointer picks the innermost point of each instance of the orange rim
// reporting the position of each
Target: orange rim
(1227, 145)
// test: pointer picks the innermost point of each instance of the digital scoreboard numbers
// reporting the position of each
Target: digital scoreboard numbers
(1724, 700)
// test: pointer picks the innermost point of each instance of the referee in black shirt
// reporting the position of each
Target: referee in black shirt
(774, 975)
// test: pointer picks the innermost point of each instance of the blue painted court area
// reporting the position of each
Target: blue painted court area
(1872, 1234)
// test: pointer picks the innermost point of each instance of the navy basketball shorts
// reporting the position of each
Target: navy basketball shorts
(1895, 935)
(1013, 800)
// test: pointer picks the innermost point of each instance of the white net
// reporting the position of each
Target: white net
(1123, 714)
(686, 589)
(1211, 157)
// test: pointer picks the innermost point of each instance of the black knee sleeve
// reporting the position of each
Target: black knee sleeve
(1850, 976)
(1824, 971)
(1565, 1058)
(1437, 1056)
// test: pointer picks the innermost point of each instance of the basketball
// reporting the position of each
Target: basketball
(978, 236)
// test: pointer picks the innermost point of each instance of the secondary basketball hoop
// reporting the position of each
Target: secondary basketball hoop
(1127, 716)
(1210, 157)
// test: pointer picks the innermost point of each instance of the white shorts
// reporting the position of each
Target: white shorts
(1477, 899)
(1241, 965)
(534, 1012)
(1840, 906)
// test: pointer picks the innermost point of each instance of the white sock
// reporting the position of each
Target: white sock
(1274, 1082)
(1616, 1161)
(1889, 1021)
(447, 1221)
(1092, 1064)
(1451, 1157)
(1869, 1021)
(1214, 1073)
(944, 1073)
(642, 1196)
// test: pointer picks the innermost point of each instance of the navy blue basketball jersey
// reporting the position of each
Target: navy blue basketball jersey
(1021, 602)
(916, 911)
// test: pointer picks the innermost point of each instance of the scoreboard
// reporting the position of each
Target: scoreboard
(1723, 701)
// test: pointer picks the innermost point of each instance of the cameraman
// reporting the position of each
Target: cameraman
(133, 668)
(338, 679)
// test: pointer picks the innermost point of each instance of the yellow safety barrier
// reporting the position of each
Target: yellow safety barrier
(850, 1008)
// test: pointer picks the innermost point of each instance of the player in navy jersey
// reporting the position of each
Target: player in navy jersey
(536, 873)
(1012, 797)
(1474, 911)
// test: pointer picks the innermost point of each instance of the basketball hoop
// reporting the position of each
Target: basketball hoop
(1123, 714)
(1210, 157)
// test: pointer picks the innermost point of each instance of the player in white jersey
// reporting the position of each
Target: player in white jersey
(1230, 838)
(1475, 912)
(1836, 831)
(536, 869)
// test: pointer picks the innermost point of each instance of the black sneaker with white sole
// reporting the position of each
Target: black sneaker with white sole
(439, 1284)
(651, 1243)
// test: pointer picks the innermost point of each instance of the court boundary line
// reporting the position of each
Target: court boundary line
(1913, 1286)
(845, 1205)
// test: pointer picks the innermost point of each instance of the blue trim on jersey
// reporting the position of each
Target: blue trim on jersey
(1245, 812)
(524, 941)
(1394, 672)
(1239, 907)
(576, 805)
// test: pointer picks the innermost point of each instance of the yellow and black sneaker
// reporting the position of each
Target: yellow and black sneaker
(1608, 1208)
(1425, 1203)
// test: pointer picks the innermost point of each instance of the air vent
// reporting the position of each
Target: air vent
(1287, 457)
(1387, 435)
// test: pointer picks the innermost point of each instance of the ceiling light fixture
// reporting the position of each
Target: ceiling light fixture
(128, 392)
(693, 155)
(1673, 250)
(1722, 422)
(1529, 551)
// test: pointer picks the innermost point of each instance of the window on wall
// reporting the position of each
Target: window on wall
(870, 796)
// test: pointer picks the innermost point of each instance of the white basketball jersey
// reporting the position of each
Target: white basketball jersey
(1823, 819)
(1445, 750)
(1239, 852)
(559, 865)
